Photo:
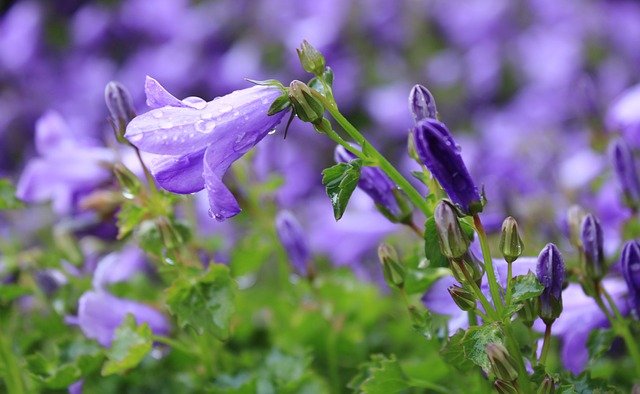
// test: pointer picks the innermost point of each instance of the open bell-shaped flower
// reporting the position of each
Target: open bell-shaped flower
(196, 141)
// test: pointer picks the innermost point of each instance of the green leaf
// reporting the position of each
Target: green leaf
(8, 198)
(432, 245)
(279, 105)
(469, 346)
(525, 287)
(599, 342)
(422, 177)
(204, 301)
(584, 384)
(381, 375)
(10, 291)
(340, 181)
(130, 346)
(129, 216)
(51, 375)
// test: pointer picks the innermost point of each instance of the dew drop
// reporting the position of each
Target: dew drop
(157, 114)
(166, 125)
(135, 137)
(195, 102)
(271, 132)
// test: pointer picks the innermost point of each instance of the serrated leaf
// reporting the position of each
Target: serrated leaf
(526, 287)
(585, 384)
(381, 375)
(599, 342)
(432, 245)
(130, 346)
(129, 216)
(51, 375)
(8, 199)
(453, 352)
(469, 346)
(340, 181)
(204, 301)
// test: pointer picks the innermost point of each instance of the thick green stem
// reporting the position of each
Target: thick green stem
(478, 293)
(13, 377)
(488, 263)
(372, 153)
(545, 344)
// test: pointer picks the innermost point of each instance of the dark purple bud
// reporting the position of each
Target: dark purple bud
(453, 241)
(625, 168)
(592, 243)
(422, 104)
(440, 154)
(550, 272)
(630, 265)
(120, 108)
(378, 186)
(294, 241)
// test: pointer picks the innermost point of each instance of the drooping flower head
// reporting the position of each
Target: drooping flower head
(630, 265)
(624, 166)
(441, 155)
(550, 273)
(294, 241)
(197, 141)
(375, 183)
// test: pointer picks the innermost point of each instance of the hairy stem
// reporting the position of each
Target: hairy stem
(488, 263)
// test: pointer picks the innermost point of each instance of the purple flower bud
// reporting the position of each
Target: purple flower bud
(550, 272)
(625, 169)
(592, 242)
(120, 107)
(375, 183)
(293, 239)
(630, 265)
(440, 154)
(421, 103)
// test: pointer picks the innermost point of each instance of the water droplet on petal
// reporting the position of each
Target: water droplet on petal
(195, 102)
(135, 137)
(166, 125)
(157, 114)
(272, 132)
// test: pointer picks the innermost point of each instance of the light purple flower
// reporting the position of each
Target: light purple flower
(294, 240)
(67, 169)
(100, 313)
(118, 267)
(624, 115)
(197, 140)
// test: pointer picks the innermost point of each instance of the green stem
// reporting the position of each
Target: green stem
(473, 318)
(545, 344)
(150, 180)
(332, 359)
(509, 282)
(488, 263)
(622, 328)
(372, 153)
(479, 295)
(13, 377)
(523, 376)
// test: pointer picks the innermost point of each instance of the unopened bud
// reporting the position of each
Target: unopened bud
(392, 269)
(511, 244)
(453, 241)
(306, 107)
(128, 181)
(624, 165)
(502, 364)
(575, 216)
(422, 104)
(311, 59)
(547, 386)
(467, 266)
(120, 108)
(503, 387)
(550, 273)
(465, 300)
(593, 244)
(529, 312)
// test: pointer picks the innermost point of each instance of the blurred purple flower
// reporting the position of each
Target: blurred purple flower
(624, 165)
(100, 313)
(630, 265)
(68, 167)
(118, 267)
(294, 240)
(374, 182)
(624, 115)
(441, 155)
(197, 141)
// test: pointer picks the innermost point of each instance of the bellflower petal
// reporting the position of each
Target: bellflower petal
(52, 134)
(295, 243)
(441, 155)
(158, 97)
(624, 165)
(222, 203)
(179, 174)
(100, 313)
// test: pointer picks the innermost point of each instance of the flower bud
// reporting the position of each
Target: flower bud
(305, 106)
(294, 241)
(547, 386)
(391, 268)
(625, 168)
(467, 265)
(128, 181)
(311, 59)
(104, 202)
(511, 244)
(503, 387)
(120, 108)
(465, 300)
(441, 155)
(550, 273)
(630, 266)
(529, 312)
(422, 104)
(575, 216)
(502, 364)
(592, 243)
(453, 242)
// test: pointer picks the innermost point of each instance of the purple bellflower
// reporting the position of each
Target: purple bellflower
(625, 168)
(422, 104)
(68, 168)
(100, 313)
(375, 183)
(294, 241)
(197, 140)
(630, 265)
(550, 273)
(441, 155)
